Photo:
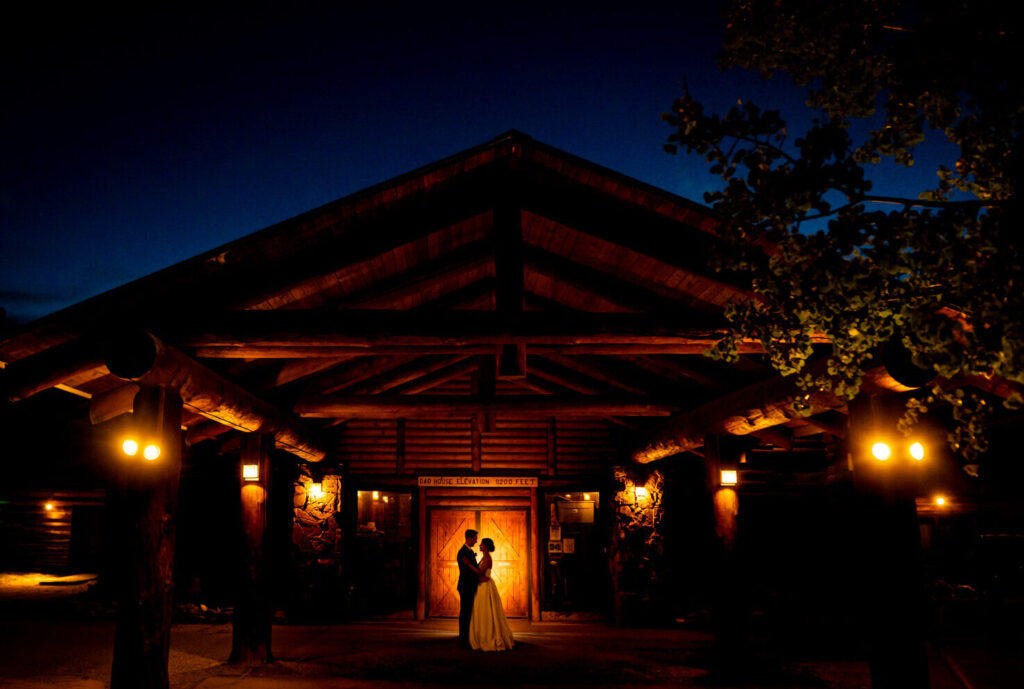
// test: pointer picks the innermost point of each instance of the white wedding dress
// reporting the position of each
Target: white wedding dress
(488, 628)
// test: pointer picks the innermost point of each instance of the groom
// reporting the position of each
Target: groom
(468, 581)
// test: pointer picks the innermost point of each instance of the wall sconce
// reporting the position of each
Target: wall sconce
(147, 424)
(251, 472)
(917, 451)
(316, 491)
(940, 500)
(385, 498)
(729, 477)
(640, 492)
(376, 495)
(881, 451)
(48, 506)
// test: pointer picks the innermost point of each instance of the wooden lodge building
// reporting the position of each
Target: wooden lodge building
(508, 339)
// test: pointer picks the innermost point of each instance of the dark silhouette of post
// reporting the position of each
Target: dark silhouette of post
(889, 549)
(253, 616)
(146, 503)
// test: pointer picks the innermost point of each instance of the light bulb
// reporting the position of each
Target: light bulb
(151, 452)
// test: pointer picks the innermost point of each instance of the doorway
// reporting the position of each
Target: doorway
(507, 528)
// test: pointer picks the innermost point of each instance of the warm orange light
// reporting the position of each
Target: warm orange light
(376, 495)
(568, 496)
(49, 506)
(729, 477)
(130, 447)
(316, 491)
(586, 496)
(881, 451)
(151, 452)
(940, 501)
(385, 498)
(917, 451)
(640, 492)
(251, 472)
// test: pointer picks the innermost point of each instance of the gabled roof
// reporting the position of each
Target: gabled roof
(581, 252)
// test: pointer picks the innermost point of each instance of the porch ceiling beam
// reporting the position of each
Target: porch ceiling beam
(364, 329)
(142, 358)
(370, 406)
(688, 347)
(80, 359)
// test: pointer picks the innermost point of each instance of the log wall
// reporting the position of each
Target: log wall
(539, 446)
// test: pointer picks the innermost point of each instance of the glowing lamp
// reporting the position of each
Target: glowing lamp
(586, 496)
(130, 447)
(729, 477)
(251, 472)
(940, 501)
(385, 498)
(881, 451)
(640, 492)
(151, 452)
(917, 451)
(316, 491)
(376, 495)
(49, 507)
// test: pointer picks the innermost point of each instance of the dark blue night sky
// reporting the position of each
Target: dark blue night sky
(133, 141)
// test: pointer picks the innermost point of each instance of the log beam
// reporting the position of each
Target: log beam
(80, 359)
(144, 359)
(384, 406)
(753, 408)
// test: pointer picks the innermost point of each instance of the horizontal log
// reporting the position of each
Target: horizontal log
(331, 406)
(471, 502)
(142, 358)
(355, 329)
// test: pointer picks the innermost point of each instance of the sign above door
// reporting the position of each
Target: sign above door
(477, 481)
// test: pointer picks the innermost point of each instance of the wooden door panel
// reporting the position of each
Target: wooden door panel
(447, 535)
(507, 528)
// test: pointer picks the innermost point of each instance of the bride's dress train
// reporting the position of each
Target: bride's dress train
(488, 628)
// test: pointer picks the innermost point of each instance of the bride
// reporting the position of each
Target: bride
(488, 629)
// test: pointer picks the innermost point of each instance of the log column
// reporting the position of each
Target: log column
(729, 608)
(889, 549)
(253, 616)
(146, 503)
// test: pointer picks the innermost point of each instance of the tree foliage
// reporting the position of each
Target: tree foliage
(829, 254)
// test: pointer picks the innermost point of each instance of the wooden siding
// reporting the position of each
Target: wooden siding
(578, 447)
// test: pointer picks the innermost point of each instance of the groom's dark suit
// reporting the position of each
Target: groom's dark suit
(468, 582)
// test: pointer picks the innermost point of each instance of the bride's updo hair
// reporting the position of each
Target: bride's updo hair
(489, 544)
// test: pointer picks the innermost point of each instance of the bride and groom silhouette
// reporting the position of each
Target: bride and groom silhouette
(482, 623)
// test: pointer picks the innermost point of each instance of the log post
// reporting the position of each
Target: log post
(535, 556)
(728, 600)
(253, 616)
(889, 550)
(421, 578)
(147, 501)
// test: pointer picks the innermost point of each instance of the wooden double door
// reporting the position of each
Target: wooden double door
(507, 528)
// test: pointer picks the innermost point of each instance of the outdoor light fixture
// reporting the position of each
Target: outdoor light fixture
(385, 498)
(316, 491)
(586, 496)
(151, 452)
(376, 495)
(640, 492)
(49, 507)
(130, 447)
(251, 472)
(917, 451)
(728, 477)
(940, 501)
(881, 451)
